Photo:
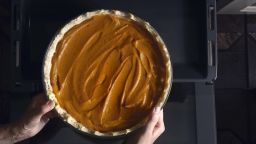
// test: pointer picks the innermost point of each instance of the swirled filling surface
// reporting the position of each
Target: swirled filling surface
(108, 73)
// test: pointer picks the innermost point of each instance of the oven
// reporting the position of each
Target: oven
(188, 29)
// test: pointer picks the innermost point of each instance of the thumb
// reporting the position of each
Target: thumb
(153, 119)
(45, 108)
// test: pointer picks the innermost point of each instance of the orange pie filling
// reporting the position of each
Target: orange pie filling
(108, 72)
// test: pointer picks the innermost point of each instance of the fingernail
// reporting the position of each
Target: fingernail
(46, 120)
(156, 109)
(50, 103)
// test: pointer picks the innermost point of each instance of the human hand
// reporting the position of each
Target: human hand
(151, 131)
(36, 117)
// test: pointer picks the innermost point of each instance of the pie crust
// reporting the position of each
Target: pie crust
(47, 66)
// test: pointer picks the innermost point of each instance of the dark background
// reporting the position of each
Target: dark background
(235, 92)
(235, 87)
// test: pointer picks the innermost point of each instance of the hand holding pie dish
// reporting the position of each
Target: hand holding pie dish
(106, 71)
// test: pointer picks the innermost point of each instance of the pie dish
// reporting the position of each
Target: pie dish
(105, 70)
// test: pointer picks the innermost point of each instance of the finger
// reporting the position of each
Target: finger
(44, 108)
(46, 113)
(161, 119)
(160, 128)
(48, 106)
(39, 99)
(44, 120)
(51, 114)
(154, 117)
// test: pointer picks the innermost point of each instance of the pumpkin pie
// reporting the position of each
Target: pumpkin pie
(106, 70)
